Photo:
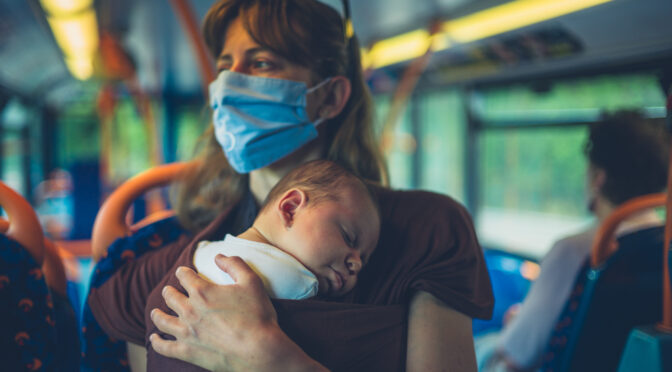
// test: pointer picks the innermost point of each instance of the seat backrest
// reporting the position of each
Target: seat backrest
(23, 226)
(28, 335)
(624, 292)
(110, 223)
(114, 242)
(622, 288)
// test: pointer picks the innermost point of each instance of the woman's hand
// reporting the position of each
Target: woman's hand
(225, 328)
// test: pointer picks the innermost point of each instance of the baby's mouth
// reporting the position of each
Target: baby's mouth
(337, 282)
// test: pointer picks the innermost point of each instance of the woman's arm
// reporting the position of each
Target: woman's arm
(439, 338)
(227, 328)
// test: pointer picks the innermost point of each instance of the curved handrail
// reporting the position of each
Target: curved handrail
(23, 225)
(53, 268)
(110, 221)
(604, 244)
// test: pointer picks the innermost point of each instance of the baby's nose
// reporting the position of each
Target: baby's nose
(354, 264)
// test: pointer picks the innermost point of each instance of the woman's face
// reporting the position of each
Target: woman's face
(241, 54)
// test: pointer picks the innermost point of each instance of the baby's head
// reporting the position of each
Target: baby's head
(326, 218)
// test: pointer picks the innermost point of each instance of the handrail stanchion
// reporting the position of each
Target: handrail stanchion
(666, 323)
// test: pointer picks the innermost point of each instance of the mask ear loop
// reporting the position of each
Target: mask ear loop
(314, 88)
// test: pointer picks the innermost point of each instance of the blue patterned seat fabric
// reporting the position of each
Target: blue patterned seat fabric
(99, 351)
(28, 335)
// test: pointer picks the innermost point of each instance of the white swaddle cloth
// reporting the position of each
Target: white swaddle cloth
(284, 277)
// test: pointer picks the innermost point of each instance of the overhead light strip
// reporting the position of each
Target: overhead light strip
(479, 25)
(75, 28)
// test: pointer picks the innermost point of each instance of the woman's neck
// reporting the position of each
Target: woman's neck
(262, 180)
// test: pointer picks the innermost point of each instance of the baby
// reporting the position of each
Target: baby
(314, 233)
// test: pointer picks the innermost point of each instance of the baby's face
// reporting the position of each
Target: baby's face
(334, 239)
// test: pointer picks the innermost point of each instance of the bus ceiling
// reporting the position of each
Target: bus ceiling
(585, 36)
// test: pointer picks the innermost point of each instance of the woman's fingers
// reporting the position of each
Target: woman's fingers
(169, 324)
(168, 348)
(237, 269)
(194, 285)
(175, 300)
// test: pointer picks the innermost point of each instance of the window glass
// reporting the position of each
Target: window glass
(569, 101)
(532, 180)
(442, 133)
(191, 123)
(78, 134)
(129, 149)
(12, 161)
(531, 187)
(399, 146)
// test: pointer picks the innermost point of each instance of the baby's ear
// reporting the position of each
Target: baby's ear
(290, 202)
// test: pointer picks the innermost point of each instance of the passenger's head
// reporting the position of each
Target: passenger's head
(327, 219)
(627, 156)
(303, 40)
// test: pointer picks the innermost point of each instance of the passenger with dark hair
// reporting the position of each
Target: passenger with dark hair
(627, 158)
(290, 90)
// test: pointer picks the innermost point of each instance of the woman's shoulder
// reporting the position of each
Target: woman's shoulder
(405, 204)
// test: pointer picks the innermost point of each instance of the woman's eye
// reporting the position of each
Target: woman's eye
(222, 67)
(262, 64)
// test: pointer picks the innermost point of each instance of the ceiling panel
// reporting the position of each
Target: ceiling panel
(31, 62)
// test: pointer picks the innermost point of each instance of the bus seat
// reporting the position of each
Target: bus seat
(110, 223)
(648, 349)
(23, 226)
(618, 289)
(28, 336)
(114, 242)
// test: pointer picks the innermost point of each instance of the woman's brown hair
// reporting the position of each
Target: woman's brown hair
(308, 33)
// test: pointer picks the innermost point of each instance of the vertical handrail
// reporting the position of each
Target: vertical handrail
(666, 323)
(405, 88)
(186, 15)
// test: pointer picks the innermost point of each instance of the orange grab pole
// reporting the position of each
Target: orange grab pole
(666, 324)
(406, 85)
(186, 15)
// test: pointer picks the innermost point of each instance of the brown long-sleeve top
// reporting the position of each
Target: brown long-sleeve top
(427, 243)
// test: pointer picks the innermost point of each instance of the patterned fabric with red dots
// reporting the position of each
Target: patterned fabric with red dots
(99, 351)
(27, 326)
(563, 327)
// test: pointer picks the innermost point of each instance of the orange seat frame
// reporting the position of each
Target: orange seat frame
(111, 224)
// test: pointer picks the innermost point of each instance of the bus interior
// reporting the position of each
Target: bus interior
(486, 101)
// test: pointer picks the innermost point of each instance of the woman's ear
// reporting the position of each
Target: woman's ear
(291, 202)
(338, 93)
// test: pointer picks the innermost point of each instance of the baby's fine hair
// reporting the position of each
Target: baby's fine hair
(321, 180)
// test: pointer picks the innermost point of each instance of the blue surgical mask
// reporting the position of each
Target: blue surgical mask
(258, 120)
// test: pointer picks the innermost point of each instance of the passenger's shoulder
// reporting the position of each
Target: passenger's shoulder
(578, 244)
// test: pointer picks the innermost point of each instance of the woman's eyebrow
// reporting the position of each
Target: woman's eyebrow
(248, 53)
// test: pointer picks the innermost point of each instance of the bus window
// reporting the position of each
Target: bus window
(21, 149)
(192, 120)
(531, 168)
(400, 146)
(442, 133)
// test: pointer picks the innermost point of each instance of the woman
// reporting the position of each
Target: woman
(290, 65)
